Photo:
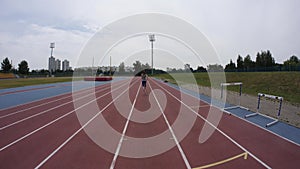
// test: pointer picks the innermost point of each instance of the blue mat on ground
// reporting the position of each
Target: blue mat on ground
(23, 95)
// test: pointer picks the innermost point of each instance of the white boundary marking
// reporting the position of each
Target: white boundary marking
(124, 131)
(226, 111)
(290, 141)
(53, 121)
(232, 140)
(80, 129)
(173, 134)
(45, 111)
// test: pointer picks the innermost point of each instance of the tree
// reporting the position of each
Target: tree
(248, 63)
(137, 66)
(214, 68)
(6, 65)
(200, 69)
(99, 71)
(264, 60)
(240, 63)
(187, 67)
(292, 63)
(270, 61)
(230, 67)
(145, 66)
(23, 68)
(293, 60)
(122, 67)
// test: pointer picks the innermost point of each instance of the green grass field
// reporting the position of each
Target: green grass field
(286, 84)
(10, 83)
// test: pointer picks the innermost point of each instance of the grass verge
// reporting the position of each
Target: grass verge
(285, 84)
(10, 83)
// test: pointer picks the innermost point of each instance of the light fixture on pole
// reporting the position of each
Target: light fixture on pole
(152, 39)
(52, 46)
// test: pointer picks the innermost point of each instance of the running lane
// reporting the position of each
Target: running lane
(268, 149)
(79, 150)
(130, 128)
(26, 144)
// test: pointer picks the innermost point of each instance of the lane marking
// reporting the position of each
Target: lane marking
(244, 155)
(124, 131)
(216, 128)
(260, 127)
(53, 121)
(45, 111)
(243, 119)
(45, 103)
(80, 129)
(172, 132)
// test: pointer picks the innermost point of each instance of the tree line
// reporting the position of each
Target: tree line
(263, 62)
(6, 67)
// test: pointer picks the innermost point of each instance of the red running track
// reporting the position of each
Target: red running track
(158, 129)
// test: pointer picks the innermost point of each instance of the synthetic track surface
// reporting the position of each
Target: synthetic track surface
(48, 134)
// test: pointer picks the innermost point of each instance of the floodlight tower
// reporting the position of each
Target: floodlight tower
(51, 59)
(152, 39)
(52, 46)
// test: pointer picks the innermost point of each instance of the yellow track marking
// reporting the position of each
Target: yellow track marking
(245, 155)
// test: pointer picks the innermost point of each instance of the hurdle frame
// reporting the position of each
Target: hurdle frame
(240, 84)
(275, 120)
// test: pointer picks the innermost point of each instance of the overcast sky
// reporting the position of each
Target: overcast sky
(232, 26)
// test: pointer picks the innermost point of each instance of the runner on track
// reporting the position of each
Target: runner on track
(144, 78)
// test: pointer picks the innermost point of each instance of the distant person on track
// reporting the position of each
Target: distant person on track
(144, 78)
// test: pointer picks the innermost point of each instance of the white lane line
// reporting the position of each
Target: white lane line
(45, 103)
(172, 132)
(219, 130)
(53, 121)
(22, 104)
(45, 111)
(80, 129)
(243, 119)
(124, 131)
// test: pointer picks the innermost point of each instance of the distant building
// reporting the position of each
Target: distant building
(57, 64)
(52, 64)
(65, 65)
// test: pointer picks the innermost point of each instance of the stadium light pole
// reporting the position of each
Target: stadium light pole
(152, 39)
(52, 46)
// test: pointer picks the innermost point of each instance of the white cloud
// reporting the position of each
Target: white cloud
(33, 46)
(233, 26)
